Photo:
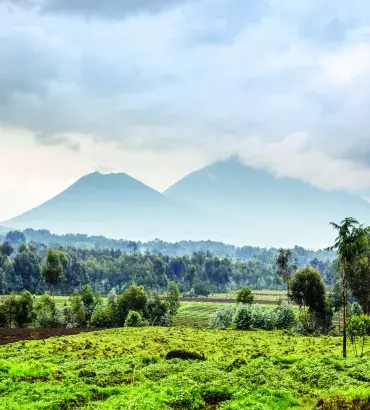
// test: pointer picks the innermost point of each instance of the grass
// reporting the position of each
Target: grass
(126, 369)
(195, 314)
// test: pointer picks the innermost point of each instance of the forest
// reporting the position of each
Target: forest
(104, 264)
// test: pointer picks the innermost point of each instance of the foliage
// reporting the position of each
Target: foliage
(358, 330)
(285, 266)
(246, 317)
(173, 298)
(245, 296)
(134, 298)
(243, 319)
(53, 269)
(156, 311)
(307, 289)
(222, 318)
(101, 317)
(47, 314)
(133, 319)
(201, 288)
(15, 237)
(127, 369)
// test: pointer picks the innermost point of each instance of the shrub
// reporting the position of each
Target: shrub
(355, 309)
(173, 298)
(133, 319)
(263, 318)
(101, 317)
(134, 298)
(156, 310)
(245, 296)
(75, 314)
(184, 355)
(222, 318)
(201, 288)
(243, 317)
(358, 330)
(47, 314)
(285, 317)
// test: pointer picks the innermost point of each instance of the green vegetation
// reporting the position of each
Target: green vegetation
(239, 354)
(127, 369)
(198, 268)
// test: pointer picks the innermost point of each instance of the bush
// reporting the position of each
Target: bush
(263, 318)
(133, 319)
(156, 310)
(201, 288)
(134, 298)
(184, 355)
(285, 317)
(47, 314)
(222, 318)
(245, 296)
(243, 317)
(358, 330)
(101, 317)
(355, 309)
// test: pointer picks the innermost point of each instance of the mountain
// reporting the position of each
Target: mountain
(253, 206)
(225, 201)
(115, 205)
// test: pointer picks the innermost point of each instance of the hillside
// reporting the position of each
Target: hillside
(253, 206)
(115, 205)
(226, 201)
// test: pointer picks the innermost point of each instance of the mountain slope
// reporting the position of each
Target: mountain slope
(113, 205)
(253, 206)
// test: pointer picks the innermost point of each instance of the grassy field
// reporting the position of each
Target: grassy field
(127, 369)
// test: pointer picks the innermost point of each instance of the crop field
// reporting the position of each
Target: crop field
(128, 369)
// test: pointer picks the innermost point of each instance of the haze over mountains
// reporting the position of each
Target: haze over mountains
(225, 201)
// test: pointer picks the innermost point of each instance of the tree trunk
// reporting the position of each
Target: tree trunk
(344, 323)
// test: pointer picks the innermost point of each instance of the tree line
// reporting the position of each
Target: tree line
(22, 267)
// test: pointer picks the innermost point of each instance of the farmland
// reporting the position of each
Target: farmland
(127, 369)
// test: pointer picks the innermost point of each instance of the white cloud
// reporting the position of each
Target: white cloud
(157, 95)
(293, 157)
(347, 64)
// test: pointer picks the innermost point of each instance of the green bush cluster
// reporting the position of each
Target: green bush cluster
(87, 309)
(245, 317)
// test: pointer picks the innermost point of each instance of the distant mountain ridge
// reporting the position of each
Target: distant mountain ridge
(225, 201)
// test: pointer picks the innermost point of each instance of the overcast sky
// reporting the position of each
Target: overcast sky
(158, 88)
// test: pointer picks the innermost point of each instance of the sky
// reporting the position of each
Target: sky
(158, 88)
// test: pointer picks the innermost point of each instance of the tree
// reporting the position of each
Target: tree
(133, 319)
(201, 288)
(15, 237)
(27, 268)
(307, 290)
(156, 310)
(245, 296)
(6, 248)
(53, 269)
(173, 298)
(285, 265)
(133, 298)
(24, 311)
(359, 328)
(89, 300)
(349, 244)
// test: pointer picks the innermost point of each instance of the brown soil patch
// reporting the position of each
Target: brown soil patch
(17, 335)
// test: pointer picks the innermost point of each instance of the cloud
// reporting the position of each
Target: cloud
(294, 157)
(108, 9)
(48, 140)
(192, 75)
